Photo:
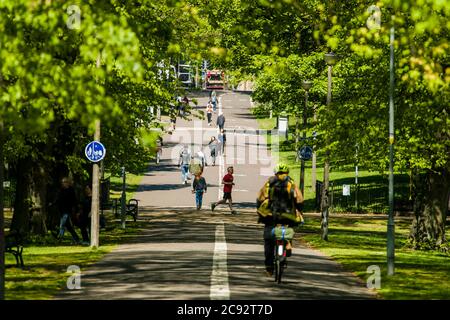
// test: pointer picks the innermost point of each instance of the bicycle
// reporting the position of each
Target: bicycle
(280, 252)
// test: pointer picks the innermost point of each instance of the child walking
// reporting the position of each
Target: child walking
(199, 187)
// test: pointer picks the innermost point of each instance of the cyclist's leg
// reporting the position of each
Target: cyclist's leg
(269, 247)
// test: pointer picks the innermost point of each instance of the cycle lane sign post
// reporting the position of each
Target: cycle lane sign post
(95, 152)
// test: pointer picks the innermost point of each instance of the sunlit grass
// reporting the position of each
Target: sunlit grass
(45, 270)
(132, 184)
(358, 243)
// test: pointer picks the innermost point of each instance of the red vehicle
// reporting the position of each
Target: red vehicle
(215, 79)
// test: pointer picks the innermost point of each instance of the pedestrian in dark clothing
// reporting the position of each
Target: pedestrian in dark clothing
(209, 112)
(173, 117)
(67, 204)
(213, 146)
(199, 187)
(214, 100)
(221, 120)
(85, 217)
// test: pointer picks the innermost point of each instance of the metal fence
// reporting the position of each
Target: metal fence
(9, 191)
(365, 198)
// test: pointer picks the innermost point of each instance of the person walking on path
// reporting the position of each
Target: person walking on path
(67, 205)
(214, 100)
(183, 162)
(85, 216)
(209, 112)
(173, 117)
(228, 184)
(200, 156)
(220, 121)
(199, 187)
(213, 146)
(184, 106)
(279, 201)
(222, 140)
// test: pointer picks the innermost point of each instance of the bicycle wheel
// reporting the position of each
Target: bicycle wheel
(278, 271)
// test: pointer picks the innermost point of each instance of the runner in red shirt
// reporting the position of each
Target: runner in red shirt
(228, 184)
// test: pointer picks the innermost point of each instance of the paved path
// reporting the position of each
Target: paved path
(187, 254)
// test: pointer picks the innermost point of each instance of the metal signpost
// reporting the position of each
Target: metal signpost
(95, 152)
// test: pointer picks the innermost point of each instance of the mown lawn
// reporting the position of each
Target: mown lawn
(46, 261)
(132, 184)
(358, 243)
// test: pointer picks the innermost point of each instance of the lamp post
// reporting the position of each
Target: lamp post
(306, 86)
(330, 59)
(95, 203)
(391, 226)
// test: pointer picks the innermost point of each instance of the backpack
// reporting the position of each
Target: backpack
(281, 196)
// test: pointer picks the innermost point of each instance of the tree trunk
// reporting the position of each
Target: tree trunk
(21, 215)
(296, 139)
(2, 219)
(39, 200)
(432, 194)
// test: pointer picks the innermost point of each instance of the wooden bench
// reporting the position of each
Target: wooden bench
(14, 245)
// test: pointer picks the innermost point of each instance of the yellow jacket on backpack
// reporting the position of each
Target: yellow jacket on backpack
(263, 200)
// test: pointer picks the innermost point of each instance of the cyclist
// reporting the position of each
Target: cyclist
(279, 202)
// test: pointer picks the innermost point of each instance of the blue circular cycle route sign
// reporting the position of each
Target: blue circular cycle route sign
(305, 153)
(95, 151)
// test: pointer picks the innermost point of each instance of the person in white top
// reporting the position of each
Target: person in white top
(183, 162)
(201, 156)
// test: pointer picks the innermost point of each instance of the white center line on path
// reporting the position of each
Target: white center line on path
(221, 162)
(219, 277)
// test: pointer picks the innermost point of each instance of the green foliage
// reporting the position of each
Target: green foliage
(283, 43)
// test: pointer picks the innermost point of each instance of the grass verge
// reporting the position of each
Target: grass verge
(46, 261)
(358, 243)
